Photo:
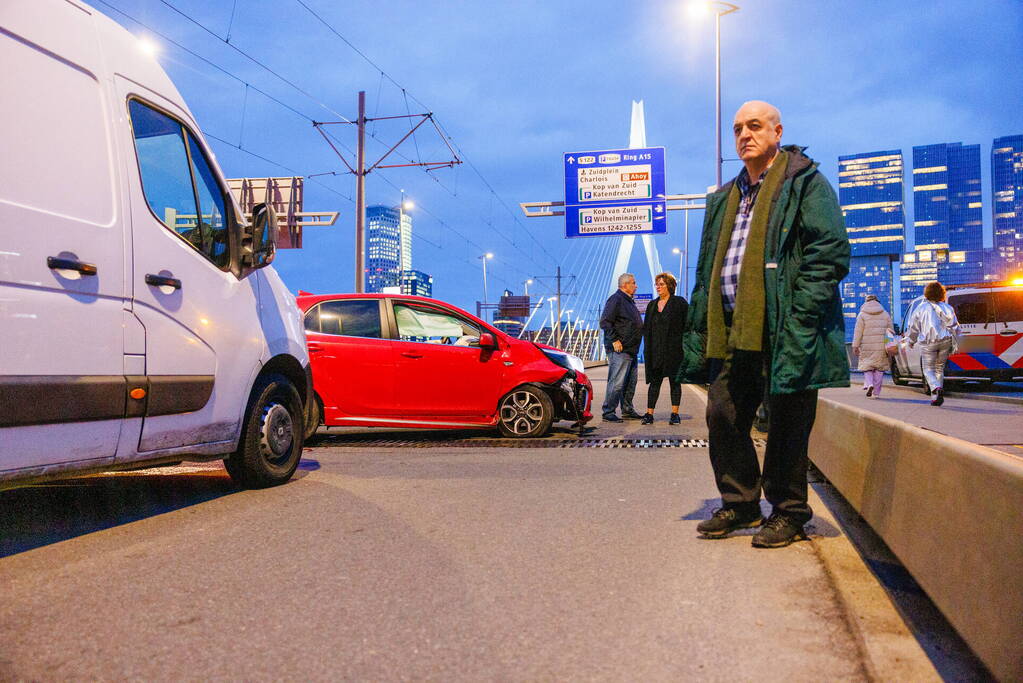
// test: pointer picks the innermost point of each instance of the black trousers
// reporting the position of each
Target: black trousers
(731, 406)
(654, 391)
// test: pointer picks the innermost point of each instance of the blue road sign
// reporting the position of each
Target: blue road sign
(615, 192)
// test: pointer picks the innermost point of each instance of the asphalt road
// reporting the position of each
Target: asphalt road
(435, 562)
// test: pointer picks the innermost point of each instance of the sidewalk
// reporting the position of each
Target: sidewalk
(994, 424)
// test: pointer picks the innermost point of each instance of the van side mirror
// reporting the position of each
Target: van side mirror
(487, 341)
(259, 239)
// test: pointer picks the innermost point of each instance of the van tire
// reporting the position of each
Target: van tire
(525, 412)
(272, 435)
(314, 419)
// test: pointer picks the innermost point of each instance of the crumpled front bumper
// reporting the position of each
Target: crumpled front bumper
(577, 394)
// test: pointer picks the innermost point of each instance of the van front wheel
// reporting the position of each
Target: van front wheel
(272, 435)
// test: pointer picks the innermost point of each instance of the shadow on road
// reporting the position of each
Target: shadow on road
(35, 516)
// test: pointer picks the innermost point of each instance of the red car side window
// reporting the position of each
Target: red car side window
(433, 326)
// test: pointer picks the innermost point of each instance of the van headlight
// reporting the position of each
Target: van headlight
(565, 360)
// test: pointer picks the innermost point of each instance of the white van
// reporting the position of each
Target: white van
(990, 337)
(138, 322)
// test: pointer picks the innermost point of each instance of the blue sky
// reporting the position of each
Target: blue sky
(516, 84)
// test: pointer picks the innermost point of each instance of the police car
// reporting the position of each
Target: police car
(990, 339)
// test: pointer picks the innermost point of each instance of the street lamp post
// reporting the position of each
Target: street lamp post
(720, 9)
(485, 257)
(526, 286)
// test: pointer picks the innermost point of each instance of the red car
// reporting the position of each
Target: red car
(389, 360)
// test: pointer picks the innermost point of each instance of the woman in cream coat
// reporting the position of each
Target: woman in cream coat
(868, 343)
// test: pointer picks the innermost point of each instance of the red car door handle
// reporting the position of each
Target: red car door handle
(409, 354)
(314, 348)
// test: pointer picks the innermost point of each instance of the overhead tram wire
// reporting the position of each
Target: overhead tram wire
(322, 104)
(278, 164)
(263, 66)
(248, 85)
(207, 61)
(284, 104)
(257, 62)
(405, 92)
(277, 75)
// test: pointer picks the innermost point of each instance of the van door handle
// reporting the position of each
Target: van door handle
(70, 264)
(409, 354)
(1008, 331)
(162, 281)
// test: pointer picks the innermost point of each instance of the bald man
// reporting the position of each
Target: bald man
(766, 313)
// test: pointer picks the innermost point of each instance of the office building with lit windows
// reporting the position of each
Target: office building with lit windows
(388, 246)
(1007, 199)
(871, 192)
(948, 267)
(948, 221)
(947, 202)
(416, 283)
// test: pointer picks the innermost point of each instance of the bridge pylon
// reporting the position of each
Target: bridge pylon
(637, 138)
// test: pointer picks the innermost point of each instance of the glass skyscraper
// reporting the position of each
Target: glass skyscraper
(388, 246)
(871, 192)
(947, 202)
(948, 220)
(1007, 199)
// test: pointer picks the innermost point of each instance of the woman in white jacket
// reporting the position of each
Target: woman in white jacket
(935, 325)
(868, 343)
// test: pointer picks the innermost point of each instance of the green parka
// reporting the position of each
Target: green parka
(806, 256)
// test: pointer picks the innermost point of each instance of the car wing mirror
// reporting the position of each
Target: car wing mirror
(488, 341)
(258, 243)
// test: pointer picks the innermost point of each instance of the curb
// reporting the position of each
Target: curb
(922, 494)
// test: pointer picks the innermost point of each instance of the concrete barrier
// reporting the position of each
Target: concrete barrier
(950, 510)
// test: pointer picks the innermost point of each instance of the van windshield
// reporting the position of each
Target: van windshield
(1009, 306)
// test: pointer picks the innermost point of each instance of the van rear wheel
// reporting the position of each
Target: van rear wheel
(272, 435)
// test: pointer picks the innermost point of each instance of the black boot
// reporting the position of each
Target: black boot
(939, 397)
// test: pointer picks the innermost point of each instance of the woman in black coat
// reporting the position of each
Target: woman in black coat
(662, 336)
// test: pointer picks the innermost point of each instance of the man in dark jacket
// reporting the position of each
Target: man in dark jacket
(766, 310)
(623, 332)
